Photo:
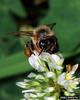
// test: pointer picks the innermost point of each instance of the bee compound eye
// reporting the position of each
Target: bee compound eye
(48, 42)
(42, 44)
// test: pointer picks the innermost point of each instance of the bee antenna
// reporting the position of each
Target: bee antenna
(51, 25)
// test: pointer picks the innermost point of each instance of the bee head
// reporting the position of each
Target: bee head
(44, 38)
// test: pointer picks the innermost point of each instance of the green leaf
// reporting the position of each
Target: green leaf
(66, 14)
(14, 65)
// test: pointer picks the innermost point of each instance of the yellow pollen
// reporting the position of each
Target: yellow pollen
(68, 76)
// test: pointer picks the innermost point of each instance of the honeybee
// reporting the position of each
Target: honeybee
(41, 39)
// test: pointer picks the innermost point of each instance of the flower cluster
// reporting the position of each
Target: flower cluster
(49, 81)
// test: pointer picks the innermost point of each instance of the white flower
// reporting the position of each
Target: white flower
(49, 81)
(68, 81)
(32, 75)
(38, 77)
(29, 95)
(40, 94)
(21, 84)
(49, 89)
(61, 79)
(58, 58)
(38, 61)
(33, 61)
(50, 98)
(30, 90)
(52, 60)
(50, 75)
(26, 95)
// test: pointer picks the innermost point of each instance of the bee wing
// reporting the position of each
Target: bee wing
(25, 33)
(25, 37)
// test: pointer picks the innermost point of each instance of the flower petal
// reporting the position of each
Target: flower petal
(58, 58)
(49, 74)
(32, 75)
(49, 89)
(32, 60)
(30, 90)
(50, 98)
(21, 84)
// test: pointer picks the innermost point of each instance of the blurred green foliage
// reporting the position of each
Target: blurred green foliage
(9, 91)
(12, 61)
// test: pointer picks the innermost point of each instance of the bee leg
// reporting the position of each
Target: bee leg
(27, 52)
(28, 49)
